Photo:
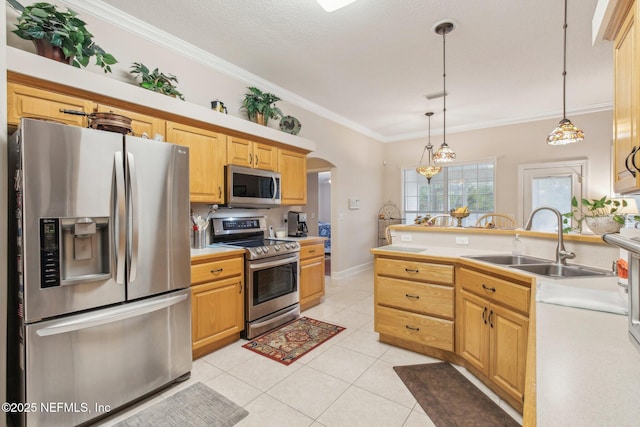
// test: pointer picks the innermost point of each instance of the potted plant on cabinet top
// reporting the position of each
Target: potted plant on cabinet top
(603, 215)
(61, 36)
(156, 81)
(261, 106)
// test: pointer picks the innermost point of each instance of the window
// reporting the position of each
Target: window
(549, 184)
(469, 185)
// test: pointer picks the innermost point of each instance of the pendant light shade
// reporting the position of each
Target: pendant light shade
(566, 132)
(444, 153)
(430, 170)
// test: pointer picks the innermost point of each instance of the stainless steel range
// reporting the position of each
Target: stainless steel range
(272, 272)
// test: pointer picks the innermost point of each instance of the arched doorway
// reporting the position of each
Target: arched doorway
(318, 206)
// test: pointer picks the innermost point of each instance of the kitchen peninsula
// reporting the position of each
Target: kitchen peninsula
(579, 367)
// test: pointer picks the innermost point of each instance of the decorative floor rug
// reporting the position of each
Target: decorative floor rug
(195, 406)
(450, 399)
(293, 340)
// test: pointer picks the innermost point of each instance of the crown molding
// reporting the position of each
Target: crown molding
(122, 20)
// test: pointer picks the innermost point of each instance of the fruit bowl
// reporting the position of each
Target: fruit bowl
(459, 216)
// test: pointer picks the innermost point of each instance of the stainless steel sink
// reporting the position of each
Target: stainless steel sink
(509, 259)
(562, 271)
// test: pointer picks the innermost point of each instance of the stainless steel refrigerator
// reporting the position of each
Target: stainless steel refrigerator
(100, 308)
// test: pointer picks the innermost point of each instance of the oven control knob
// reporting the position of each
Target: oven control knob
(276, 247)
(265, 249)
(258, 251)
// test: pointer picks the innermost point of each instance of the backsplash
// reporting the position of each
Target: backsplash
(274, 216)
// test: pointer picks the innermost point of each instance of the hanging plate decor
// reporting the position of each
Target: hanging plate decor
(290, 125)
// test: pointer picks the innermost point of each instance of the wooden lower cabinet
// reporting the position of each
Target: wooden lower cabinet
(474, 317)
(492, 332)
(217, 302)
(414, 302)
(311, 273)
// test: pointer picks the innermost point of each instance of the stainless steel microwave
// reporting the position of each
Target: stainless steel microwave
(251, 188)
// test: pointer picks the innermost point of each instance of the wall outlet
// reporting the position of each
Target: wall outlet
(462, 240)
(405, 237)
(284, 218)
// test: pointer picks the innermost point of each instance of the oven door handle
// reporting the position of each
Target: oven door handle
(275, 263)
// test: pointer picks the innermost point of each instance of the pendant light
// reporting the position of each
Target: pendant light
(566, 132)
(444, 153)
(428, 171)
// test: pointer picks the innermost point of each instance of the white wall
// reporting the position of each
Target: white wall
(513, 145)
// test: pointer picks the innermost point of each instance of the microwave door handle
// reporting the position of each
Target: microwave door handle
(119, 218)
(134, 213)
(275, 187)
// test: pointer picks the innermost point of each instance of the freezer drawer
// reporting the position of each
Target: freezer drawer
(84, 363)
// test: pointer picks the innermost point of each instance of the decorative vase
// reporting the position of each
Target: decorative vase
(46, 49)
(261, 119)
(602, 224)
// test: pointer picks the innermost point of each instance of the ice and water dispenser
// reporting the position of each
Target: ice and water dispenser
(73, 250)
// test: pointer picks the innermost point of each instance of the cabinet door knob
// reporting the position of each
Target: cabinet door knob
(490, 321)
(411, 328)
(219, 270)
(239, 287)
(484, 312)
(257, 160)
(412, 296)
(250, 159)
(220, 192)
(486, 288)
(411, 270)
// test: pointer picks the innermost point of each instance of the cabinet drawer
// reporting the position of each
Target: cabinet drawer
(497, 290)
(422, 298)
(215, 270)
(415, 327)
(312, 251)
(415, 270)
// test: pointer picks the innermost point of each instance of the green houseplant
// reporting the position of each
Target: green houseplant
(601, 215)
(261, 106)
(156, 81)
(53, 30)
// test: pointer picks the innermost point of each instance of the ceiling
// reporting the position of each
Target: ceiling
(370, 64)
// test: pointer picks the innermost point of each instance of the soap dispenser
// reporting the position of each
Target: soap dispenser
(517, 245)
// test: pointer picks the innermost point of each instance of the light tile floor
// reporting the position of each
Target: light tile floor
(347, 381)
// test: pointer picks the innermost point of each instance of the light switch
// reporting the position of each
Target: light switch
(354, 203)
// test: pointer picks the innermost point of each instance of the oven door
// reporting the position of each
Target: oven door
(272, 284)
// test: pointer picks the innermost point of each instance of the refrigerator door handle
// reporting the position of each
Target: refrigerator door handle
(119, 218)
(134, 209)
(112, 315)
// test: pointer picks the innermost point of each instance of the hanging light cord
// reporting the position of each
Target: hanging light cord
(564, 66)
(444, 89)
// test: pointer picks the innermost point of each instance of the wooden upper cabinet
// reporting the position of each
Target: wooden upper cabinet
(207, 155)
(626, 175)
(251, 154)
(140, 123)
(292, 166)
(25, 101)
